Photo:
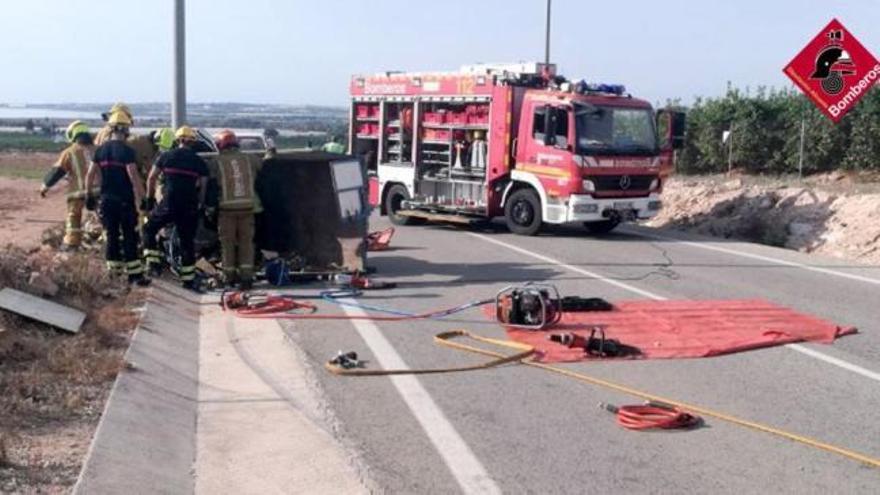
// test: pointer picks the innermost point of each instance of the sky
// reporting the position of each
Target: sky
(304, 52)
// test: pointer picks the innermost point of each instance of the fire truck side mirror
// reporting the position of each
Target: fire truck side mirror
(679, 125)
(671, 127)
(549, 127)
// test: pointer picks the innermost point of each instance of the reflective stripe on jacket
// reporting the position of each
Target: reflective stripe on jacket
(236, 173)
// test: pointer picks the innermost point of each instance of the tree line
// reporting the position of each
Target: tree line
(766, 134)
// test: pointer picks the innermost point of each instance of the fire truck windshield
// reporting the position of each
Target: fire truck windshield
(606, 130)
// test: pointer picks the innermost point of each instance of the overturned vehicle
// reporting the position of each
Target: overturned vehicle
(313, 222)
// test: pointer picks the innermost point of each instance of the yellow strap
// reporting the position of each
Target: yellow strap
(444, 339)
(77, 168)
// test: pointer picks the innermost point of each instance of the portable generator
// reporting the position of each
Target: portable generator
(532, 306)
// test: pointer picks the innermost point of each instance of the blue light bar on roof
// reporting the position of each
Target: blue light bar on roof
(614, 89)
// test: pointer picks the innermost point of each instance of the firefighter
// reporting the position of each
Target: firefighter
(145, 152)
(74, 164)
(164, 139)
(237, 203)
(183, 195)
(104, 134)
(121, 190)
(333, 146)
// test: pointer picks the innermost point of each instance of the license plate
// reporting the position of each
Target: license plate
(623, 205)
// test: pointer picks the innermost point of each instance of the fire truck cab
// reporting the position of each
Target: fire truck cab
(514, 141)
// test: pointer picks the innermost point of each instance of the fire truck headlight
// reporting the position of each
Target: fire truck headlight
(588, 186)
(655, 184)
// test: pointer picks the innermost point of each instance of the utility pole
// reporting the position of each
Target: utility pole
(801, 152)
(730, 151)
(547, 37)
(178, 103)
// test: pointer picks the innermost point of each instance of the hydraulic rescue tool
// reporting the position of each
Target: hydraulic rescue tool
(346, 360)
(532, 306)
(537, 306)
(595, 345)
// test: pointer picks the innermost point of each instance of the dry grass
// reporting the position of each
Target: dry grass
(51, 383)
(27, 165)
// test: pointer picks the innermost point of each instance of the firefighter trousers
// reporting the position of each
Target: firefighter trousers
(73, 226)
(236, 231)
(185, 218)
(119, 218)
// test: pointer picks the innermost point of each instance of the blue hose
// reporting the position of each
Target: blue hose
(335, 296)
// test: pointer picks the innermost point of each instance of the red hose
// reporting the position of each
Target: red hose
(277, 307)
(649, 416)
(274, 305)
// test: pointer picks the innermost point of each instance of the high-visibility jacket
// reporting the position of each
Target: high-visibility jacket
(103, 135)
(144, 153)
(332, 147)
(236, 175)
(74, 161)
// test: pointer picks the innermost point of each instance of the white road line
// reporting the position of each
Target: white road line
(711, 247)
(461, 461)
(796, 347)
(835, 361)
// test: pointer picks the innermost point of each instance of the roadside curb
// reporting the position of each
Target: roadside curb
(207, 403)
(146, 435)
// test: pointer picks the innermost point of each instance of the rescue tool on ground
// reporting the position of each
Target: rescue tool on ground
(595, 344)
(510, 140)
(536, 306)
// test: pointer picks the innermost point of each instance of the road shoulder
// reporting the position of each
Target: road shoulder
(257, 431)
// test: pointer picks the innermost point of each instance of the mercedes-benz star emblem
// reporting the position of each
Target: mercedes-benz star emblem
(625, 182)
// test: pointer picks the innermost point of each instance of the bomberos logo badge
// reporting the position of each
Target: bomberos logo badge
(834, 70)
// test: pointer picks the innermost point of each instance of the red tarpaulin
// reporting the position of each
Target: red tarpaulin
(684, 329)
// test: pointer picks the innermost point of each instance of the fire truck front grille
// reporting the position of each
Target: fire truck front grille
(609, 183)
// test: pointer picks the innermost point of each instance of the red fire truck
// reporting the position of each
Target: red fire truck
(511, 140)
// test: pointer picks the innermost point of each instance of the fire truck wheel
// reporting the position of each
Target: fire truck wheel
(523, 212)
(602, 226)
(393, 203)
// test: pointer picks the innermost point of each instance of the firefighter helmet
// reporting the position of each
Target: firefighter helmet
(826, 61)
(164, 138)
(76, 128)
(185, 133)
(121, 107)
(119, 119)
(226, 139)
(118, 107)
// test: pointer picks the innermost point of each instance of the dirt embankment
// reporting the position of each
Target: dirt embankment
(833, 214)
(53, 385)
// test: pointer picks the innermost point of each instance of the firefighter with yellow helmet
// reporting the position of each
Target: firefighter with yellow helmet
(103, 135)
(185, 177)
(73, 163)
(121, 192)
(238, 202)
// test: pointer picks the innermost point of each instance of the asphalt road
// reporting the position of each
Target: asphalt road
(518, 429)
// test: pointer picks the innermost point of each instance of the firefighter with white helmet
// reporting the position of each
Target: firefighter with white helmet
(183, 196)
(238, 203)
(121, 190)
(73, 163)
